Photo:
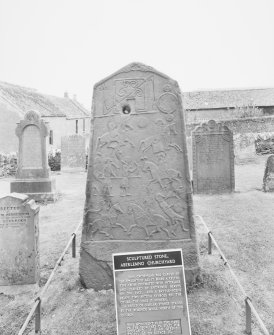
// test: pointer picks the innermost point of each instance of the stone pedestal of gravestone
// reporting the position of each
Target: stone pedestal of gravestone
(138, 192)
(268, 180)
(19, 240)
(73, 153)
(213, 158)
(33, 173)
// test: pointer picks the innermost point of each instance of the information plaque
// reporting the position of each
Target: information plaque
(150, 293)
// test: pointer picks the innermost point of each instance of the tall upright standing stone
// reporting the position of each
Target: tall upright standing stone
(268, 180)
(138, 192)
(19, 240)
(213, 158)
(73, 153)
(33, 172)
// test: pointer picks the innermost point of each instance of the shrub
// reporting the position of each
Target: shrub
(54, 159)
(8, 164)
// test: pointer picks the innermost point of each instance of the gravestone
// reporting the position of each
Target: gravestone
(73, 153)
(268, 180)
(33, 173)
(150, 293)
(213, 158)
(138, 192)
(19, 240)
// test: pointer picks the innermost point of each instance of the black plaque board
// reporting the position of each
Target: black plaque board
(150, 293)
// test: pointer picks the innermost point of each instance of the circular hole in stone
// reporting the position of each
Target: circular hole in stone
(126, 109)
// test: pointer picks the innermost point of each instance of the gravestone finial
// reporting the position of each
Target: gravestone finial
(32, 116)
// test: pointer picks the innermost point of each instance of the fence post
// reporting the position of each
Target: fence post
(247, 317)
(38, 317)
(209, 243)
(74, 245)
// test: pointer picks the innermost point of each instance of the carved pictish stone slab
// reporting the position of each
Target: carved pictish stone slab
(268, 180)
(19, 240)
(213, 158)
(138, 193)
(150, 293)
(33, 172)
(73, 153)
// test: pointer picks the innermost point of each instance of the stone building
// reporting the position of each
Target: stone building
(228, 104)
(65, 116)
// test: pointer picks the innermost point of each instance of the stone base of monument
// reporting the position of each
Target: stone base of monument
(38, 189)
(96, 259)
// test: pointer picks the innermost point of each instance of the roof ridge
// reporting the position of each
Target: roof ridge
(79, 105)
(230, 89)
(20, 86)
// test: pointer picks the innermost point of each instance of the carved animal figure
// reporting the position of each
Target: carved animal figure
(148, 143)
(111, 139)
(154, 171)
(176, 219)
(140, 219)
(106, 222)
(161, 222)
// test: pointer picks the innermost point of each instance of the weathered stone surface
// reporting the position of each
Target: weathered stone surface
(19, 240)
(138, 193)
(33, 173)
(268, 180)
(73, 153)
(213, 158)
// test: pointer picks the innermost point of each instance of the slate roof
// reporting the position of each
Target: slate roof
(26, 99)
(261, 97)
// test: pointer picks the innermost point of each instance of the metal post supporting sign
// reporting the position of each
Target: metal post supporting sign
(150, 293)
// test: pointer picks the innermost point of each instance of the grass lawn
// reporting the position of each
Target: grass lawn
(242, 223)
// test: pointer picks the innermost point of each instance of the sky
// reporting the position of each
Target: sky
(68, 45)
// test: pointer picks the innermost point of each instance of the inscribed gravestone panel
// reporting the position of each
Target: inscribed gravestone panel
(150, 293)
(73, 152)
(213, 158)
(138, 186)
(31, 148)
(19, 238)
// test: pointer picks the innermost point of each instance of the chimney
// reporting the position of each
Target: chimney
(66, 95)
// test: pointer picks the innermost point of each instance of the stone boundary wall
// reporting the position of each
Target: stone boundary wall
(263, 124)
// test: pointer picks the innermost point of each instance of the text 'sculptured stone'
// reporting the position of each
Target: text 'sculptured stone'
(150, 293)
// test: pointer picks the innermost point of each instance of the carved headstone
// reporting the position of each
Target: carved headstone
(268, 180)
(73, 153)
(33, 173)
(138, 193)
(213, 158)
(19, 240)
